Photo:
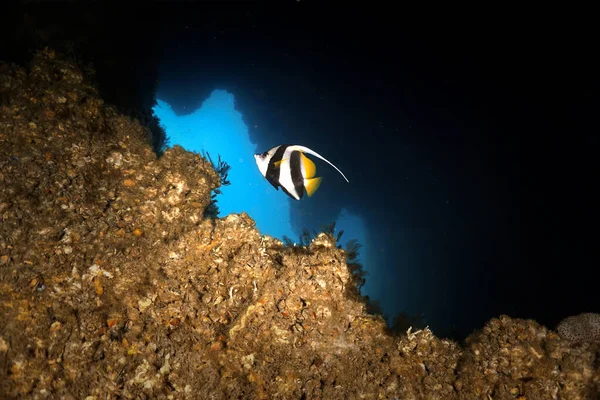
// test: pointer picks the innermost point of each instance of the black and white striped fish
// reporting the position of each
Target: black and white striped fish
(288, 167)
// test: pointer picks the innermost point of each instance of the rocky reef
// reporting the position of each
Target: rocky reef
(113, 284)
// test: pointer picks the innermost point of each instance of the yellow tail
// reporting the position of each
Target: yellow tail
(312, 185)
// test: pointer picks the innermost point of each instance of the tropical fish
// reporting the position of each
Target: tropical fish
(287, 166)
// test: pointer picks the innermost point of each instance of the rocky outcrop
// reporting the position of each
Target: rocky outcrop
(114, 285)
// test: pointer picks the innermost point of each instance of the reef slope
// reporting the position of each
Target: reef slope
(114, 285)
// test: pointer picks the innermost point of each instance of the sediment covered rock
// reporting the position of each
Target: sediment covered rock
(114, 284)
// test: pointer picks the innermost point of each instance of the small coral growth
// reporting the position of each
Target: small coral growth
(222, 169)
(584, 327)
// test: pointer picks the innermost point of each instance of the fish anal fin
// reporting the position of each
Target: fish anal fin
(312, 185)
(308, 166)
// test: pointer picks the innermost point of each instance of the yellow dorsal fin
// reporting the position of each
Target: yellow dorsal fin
(309, 167)
(312, 185)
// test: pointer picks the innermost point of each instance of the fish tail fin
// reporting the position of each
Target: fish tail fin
(312, 185)
(314, 153)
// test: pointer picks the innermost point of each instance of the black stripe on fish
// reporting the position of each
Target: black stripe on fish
(272, 174)
(296, 171)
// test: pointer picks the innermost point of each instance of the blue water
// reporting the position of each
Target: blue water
(217, 128)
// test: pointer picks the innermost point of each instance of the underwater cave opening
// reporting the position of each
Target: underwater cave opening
(217, 129)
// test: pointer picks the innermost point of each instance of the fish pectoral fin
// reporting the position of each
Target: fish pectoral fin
(309, 167)
(312, 185)
(279, 163)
